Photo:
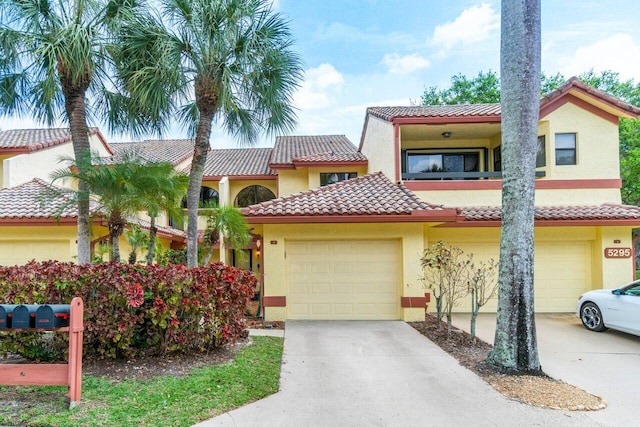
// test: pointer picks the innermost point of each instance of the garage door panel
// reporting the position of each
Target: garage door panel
(358, 280)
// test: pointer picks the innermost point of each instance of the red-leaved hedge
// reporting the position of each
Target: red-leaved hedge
(135, 308)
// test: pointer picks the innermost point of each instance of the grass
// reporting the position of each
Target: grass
(161, 401)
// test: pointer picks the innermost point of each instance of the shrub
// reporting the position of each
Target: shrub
(134, 308)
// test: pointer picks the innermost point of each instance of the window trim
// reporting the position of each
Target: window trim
(573, 150)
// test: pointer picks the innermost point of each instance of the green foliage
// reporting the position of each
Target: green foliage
(129, 309)
(224, 223)
(482, 89)
(167, 400)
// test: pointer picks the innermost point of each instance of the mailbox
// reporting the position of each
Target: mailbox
(24, 316)
(51, 316)
(6, 313)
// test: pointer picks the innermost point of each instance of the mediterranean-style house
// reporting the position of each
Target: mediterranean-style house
(338, 230)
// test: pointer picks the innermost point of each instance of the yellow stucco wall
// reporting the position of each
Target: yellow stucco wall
(291, 181)
(379, 147)
(276, 236)
(19, 244)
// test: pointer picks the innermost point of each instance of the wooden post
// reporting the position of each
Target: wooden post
(69, 374)
(76, 327)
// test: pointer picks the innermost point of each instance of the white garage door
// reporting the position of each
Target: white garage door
(562, 273)
(356, 280)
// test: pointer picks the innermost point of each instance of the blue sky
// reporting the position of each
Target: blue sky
(360, 53)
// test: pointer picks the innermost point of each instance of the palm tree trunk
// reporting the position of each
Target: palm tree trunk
(75, 109)
(153, 230)
(203, 133)
(515, 345)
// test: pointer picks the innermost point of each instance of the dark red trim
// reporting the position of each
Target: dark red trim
(274, 301)
(416, 216)
(396, 144)
(541, 184)
(15, 150)
(444, 120)
(281, 166)
(548, 223)
(218, 178)
(569, 98)
(413, 302)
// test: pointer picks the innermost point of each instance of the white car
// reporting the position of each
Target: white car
(616, 309)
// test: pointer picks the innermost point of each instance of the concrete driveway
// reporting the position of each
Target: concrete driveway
(606, 364)
(381, 374)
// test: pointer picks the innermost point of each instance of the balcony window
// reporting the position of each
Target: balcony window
(422, 162)
(333, 177)
(565, 149)
(541, 152)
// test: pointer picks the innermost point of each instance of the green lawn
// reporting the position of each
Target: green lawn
(162, 401)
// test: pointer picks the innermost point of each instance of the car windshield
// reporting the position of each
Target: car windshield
(632, 289)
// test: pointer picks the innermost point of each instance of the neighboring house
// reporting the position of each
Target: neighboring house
(338, 230)
(35, 153)
(351, 250)
(36, 220)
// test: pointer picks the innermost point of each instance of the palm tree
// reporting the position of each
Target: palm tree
(124, 188)
(51, 57)
(225, 60)
(224, 223)
(515, 346)
(136, 238)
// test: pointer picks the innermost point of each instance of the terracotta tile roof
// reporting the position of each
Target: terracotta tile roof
(157, 150)
(558, 213)
(238, 162)
(368, 195)
(288, 148)
(35, 199)
(575, 83)
(436, 111)
(35, 139)
(353, 157)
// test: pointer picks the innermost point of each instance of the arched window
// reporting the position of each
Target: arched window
(252, 195)
(207, 195)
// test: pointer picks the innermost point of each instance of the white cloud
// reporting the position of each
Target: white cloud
(474, 25)
(619, 53)
(320, 85)
(404, 64)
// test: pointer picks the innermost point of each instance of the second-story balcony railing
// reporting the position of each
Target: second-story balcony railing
(456, 175)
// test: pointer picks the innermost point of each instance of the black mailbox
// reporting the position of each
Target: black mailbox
(6, 313)
(50, 316)
(24, 316)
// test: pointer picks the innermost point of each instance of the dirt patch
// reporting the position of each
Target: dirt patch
(535, 390)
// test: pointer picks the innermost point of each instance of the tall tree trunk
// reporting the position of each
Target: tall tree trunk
(153, 230)
(203, 133)
(75, 109)
(515, 345)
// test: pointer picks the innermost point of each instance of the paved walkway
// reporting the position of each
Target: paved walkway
(381, 374)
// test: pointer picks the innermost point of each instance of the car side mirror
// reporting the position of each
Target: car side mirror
(616, 292)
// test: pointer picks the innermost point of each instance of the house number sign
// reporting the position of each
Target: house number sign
(617, 252)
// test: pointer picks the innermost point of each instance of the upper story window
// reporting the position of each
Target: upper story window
(541, 152)
(425, 162)
(253, 195)
(566, 149)
(207, 196)
(333, 177)
(497, 158)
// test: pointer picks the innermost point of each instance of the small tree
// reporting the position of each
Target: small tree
(224, 223)
(482, 285)
(446, 265)
(137, 239)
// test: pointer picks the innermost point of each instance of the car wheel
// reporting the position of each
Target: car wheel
(591, 317)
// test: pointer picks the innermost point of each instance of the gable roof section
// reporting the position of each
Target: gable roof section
(174, 151)
(239, 162)
(608, 214)
(369, 198)
(30, 140)
(485, 112)
(311, 150)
